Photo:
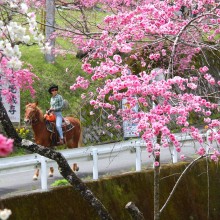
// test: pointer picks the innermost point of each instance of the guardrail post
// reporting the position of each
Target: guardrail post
(138, 157)
(174, 155)
(95, 163)
(43, 173)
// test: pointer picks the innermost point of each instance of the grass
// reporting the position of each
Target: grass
(61, 182)
(18, 152)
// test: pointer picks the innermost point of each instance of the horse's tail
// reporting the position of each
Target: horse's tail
(80, 142)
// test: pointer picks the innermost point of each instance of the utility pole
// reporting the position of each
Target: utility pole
(49, 30)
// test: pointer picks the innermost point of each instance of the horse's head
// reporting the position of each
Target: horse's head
(32, 113)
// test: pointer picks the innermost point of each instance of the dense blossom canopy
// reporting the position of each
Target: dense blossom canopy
(146, 54)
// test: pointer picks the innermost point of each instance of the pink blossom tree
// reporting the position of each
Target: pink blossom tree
(169, 84)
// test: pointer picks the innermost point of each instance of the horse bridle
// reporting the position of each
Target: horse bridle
(31, 121)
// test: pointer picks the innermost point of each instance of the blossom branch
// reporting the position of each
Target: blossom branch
(179, 179)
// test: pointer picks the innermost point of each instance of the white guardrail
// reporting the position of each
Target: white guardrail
(26, 162)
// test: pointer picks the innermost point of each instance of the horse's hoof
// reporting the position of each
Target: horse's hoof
(50, 175)
(75, 167)
(35, 177)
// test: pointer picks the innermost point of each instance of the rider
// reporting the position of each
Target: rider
(56, 104)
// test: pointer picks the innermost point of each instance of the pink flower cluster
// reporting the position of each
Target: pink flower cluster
(155, 56)
(203, 69)
(21, 79)
(87, 68)
(201, 151)
(6, 146)
(210, 79)
(215, 156)
(81, 82)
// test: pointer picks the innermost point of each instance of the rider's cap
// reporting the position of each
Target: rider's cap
(52, 87)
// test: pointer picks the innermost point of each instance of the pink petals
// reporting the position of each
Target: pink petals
(6, 146)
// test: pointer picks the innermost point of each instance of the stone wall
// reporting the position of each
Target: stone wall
(194, 196)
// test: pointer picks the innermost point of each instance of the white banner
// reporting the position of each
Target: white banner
(13, 109)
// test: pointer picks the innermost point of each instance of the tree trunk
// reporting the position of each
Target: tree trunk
(156, 193)
(50, 23)
(8, 126)
(157, 184)
(134, 211)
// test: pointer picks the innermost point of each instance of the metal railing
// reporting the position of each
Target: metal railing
(91, 153)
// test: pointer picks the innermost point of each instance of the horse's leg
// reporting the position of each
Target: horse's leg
(36, 174)
(51, 172)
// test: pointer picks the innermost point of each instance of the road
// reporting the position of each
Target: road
(117, 163)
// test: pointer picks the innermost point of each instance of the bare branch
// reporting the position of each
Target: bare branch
(179, 179)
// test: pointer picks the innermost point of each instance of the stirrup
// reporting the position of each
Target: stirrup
(61, 142)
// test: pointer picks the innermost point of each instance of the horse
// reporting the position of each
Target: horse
(44, 137)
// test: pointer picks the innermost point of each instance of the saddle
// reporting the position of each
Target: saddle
(66, 126)
(51, 127)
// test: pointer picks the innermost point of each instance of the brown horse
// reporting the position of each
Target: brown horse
(34, 116)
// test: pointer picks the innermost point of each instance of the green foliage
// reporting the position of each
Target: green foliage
(215, 115)
(61, 182)
(18, 152)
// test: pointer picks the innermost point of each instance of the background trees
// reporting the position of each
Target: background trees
(169, 84)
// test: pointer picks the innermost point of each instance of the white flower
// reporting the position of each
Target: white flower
(8, 51)
(31, 15)
(1, 44)
(24, 8)
(5, 213)
(40, 38)
(13, 24)
(26, 39)
(20, 31)
(12, 5)
(46, 49)
(33, 31)
(91, 113)
(1, 23)
(17, 51)
(14, 63)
